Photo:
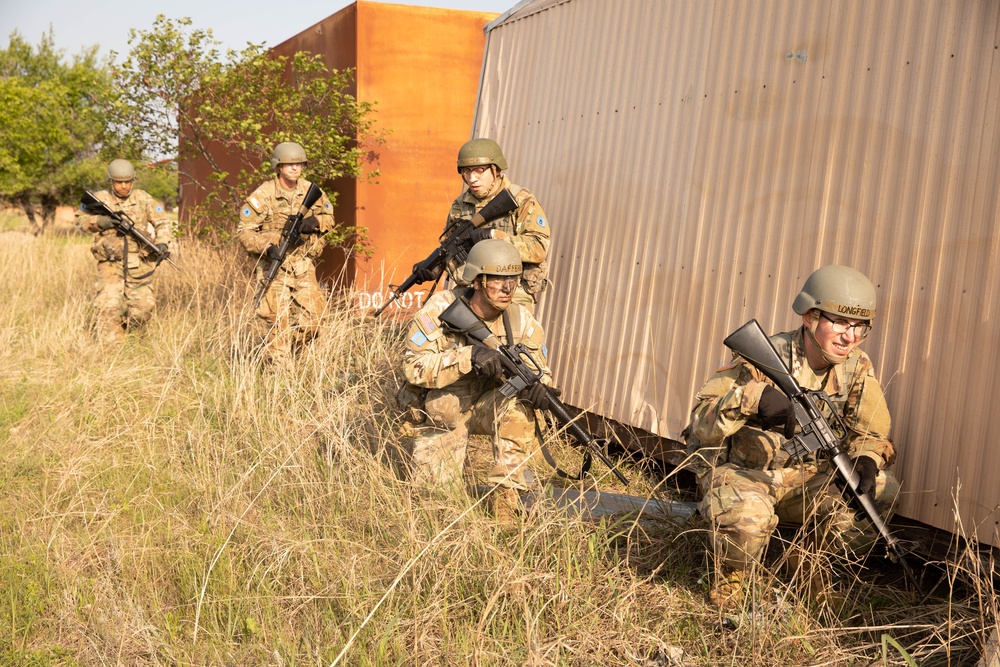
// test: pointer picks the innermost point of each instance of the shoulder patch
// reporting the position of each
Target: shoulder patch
(159, 209)
(255, 203)
(246, 212)
(328, 207)
(418, 338)
(426, 323)
(540, 221)
(545, 350)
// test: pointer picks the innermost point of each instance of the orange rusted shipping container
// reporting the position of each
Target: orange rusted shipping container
(420, 66)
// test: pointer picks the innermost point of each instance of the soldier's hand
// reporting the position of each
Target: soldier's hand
(272, 253)
(162, 250)
(538, 395)
(867, 471)
(481, 234)
(487, 362)
(775, 409)
(310, 225)
(424, 275)
(105, 222)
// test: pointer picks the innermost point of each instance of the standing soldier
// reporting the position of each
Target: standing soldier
(481, 163)
(452, 385)
(293, 304)
(740, 422)
(125, 297)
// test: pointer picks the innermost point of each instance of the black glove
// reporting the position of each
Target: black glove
(481, 234)
(424, 275)
(538, 395)
(162, 251)
(867, 471)
(774, 409)
(310, 226)
(105, 223)
(487, 362)
(272, 253)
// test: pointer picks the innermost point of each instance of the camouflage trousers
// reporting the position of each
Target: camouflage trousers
(451, 415)
(121, 304)
(292, 310)
(746, 505)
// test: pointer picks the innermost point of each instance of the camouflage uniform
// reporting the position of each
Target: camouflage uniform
(527, 228)
(294, 303)
(447, 400)
(125, 296)
(747, 481)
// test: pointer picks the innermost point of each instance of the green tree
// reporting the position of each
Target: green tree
(52, 124)
(182, 96)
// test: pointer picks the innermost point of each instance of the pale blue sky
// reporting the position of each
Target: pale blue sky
(81, 23)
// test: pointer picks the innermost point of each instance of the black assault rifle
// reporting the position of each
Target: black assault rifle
(123, 225)
(521, 371)
(453, 242)
(817, 434)
(290, 238)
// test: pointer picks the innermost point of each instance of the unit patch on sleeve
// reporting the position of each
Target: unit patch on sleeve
(540, 221)
(159, 209)
(418, 338)
(246, 212)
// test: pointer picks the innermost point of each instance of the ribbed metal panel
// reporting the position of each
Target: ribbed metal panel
(699, 159)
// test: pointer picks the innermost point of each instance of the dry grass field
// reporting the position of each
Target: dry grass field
(174, 501)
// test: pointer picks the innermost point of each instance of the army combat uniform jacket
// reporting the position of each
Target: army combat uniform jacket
(527, 228)
(446, 399)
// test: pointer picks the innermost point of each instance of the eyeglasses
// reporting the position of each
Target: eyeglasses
(860, 329)
(500, 282)
(474, 171)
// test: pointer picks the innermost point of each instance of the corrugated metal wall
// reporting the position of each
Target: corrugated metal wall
(699, 159)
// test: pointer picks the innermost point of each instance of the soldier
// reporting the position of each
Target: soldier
(451, 386)
(125, 297)
(740, 421)
(481, 163)
(294, 303)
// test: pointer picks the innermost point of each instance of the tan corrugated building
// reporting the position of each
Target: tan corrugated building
(699, 159)
(420, 65)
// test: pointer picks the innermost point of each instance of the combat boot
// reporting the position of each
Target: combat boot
(728, 590)
(506, 504)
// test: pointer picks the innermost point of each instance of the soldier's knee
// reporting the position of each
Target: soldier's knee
(443, 408)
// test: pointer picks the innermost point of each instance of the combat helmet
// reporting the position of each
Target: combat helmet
(479, 152)
(287, 152)
(492, 257)
(837, 289)
(121, 170)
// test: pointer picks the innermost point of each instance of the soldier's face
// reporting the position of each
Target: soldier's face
(834, 344)
(122, 188)
(498, 290)
(290, 173)
(479, 179)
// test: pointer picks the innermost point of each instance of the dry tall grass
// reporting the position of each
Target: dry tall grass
(172, 501)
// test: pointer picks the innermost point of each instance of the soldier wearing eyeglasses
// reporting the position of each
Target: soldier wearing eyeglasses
(740, 421)
(481, 164)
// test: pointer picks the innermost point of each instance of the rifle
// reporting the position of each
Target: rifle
(123, 225)
(751, 343)
(290, 238)
(452, 243)
(523, 371)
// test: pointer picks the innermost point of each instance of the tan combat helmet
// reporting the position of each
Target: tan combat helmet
(287, 152)
(479, 152)
(492, 257)
(837, 289)
(121, 170)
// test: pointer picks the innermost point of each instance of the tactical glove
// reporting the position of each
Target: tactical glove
(105, 223)
(162, 251)
(538, 395)
(867, 471)
(774, 410)
(424, 275)
(487, 362)
(477, 235)
(310, 226)
(272, 253)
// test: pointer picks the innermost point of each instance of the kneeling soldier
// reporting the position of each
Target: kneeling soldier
(451, 386)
